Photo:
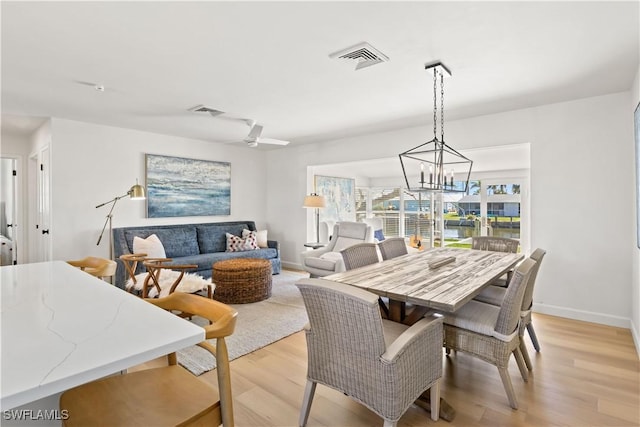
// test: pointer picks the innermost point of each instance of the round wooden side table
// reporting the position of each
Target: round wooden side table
(241, 280)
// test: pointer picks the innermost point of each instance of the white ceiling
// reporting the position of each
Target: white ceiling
(269, 61)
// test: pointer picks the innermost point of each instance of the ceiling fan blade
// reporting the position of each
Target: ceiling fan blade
(272, 141)
(255, 132)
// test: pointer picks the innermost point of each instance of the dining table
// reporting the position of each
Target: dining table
(438, 279)
(62, 327)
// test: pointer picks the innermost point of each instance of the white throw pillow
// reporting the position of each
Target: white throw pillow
(261, 237)
(152, 246)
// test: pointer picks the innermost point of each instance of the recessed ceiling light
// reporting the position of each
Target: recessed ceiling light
(99, 88)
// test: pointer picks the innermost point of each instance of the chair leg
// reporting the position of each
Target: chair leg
(224, 382)
(309, 391)
(508, 387)
(435, 401)
(525, 354)
(388, 423)
(524, 372)
(534, 338)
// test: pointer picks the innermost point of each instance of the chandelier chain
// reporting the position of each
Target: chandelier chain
(442, 107)
(435, 104)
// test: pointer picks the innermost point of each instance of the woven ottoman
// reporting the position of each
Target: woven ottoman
(242, 280)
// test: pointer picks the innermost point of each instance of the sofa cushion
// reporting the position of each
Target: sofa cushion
(320, 263)
(213, 238)
(354, 230)
(345, 242)
(205, 261)
(177, 242)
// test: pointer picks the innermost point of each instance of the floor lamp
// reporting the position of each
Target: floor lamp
(317, 202)
(136, 193)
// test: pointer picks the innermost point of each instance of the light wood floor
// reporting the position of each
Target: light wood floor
(585, 375)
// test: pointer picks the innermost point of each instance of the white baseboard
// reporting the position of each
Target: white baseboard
(587, 316)
(292, 265)
(636, 338)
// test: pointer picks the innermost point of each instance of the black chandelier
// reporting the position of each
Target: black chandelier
(434, 165)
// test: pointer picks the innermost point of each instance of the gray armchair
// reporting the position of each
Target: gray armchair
(384, 365)
(328, 260)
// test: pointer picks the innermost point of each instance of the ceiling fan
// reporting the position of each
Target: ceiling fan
(255, 130)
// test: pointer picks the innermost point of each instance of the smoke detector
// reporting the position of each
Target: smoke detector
(363, 54)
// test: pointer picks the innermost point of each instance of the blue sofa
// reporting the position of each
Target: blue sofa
(199, 244)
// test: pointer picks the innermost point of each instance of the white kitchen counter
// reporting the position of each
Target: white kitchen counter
(61, 327)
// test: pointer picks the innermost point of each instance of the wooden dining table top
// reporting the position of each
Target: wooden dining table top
(416, 278)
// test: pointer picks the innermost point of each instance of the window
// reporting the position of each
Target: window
(417, 215)
(361, 203)
(408, 214)
(385, 204)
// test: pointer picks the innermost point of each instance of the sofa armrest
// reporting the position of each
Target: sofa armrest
(274, 245)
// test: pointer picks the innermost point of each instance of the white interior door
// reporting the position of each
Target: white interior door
(40, 232)
(8, 211)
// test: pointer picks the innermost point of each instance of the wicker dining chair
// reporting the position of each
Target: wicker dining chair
(497, 244)
(384, 365)
(167, 395)
(360, 255)
(392, 247)
(495, 295)
(491, 333)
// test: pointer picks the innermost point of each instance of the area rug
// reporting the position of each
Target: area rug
(259, 324)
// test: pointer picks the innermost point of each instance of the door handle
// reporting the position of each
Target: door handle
(45, 231)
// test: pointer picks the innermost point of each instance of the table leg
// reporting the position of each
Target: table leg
(396, 310)
(446, 412)
(416, 314)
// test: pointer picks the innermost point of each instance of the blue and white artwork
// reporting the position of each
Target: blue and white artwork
(187, 187)
(340, 197)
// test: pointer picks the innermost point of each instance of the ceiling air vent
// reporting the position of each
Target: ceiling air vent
(364, 54)
(205, 109)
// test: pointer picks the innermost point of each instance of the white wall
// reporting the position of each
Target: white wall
(93, 164)
(581, 165)
(635, 297)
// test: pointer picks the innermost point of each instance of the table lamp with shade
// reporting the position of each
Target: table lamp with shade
(136, 192)
(315, 201)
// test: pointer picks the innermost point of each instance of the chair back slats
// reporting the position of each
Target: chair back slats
(392, 247)
(360, 255)
(491, 243)
(509, 314)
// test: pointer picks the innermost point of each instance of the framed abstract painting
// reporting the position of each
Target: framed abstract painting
(340, 196)
(178, 186)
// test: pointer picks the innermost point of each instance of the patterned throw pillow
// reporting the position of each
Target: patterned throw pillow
(261, 237)
(239, 244)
